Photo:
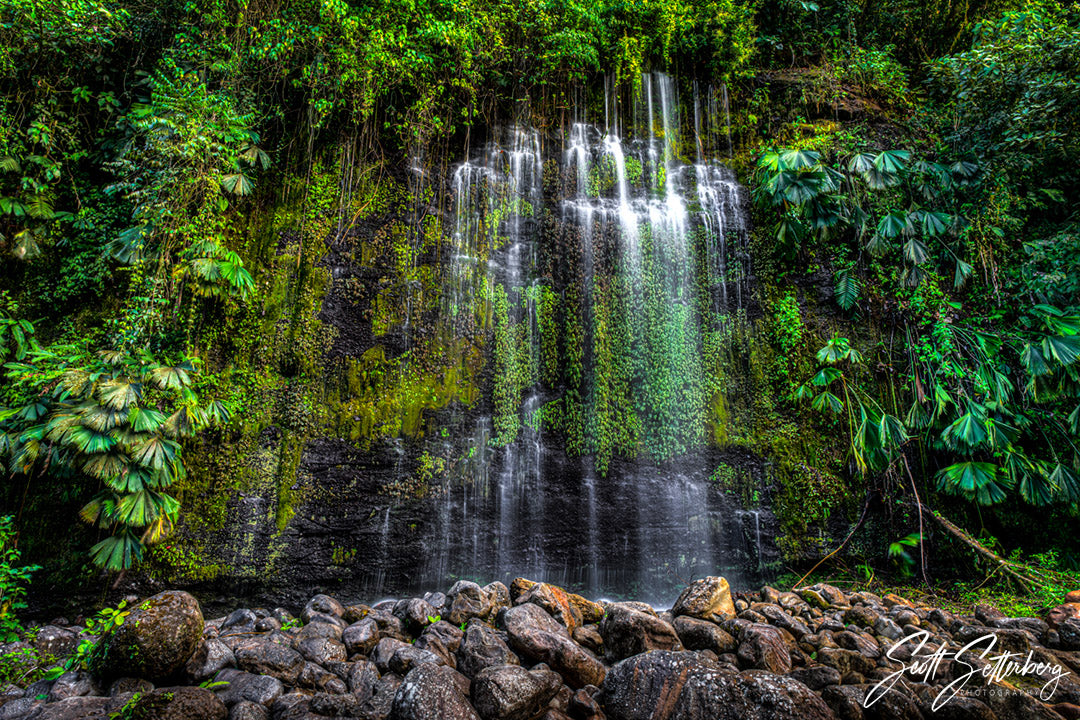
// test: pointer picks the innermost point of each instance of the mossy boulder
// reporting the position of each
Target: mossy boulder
(155, 640)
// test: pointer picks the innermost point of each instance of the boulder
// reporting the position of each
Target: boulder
(1069, 633)
(322, 605)
(483, 647)
(384, 651)
(415, 614)
(443, 639)
(696, 634)
(499, 594)
(248, 711)
(627, 632)
(316, 677)
(238, 621)
(245, 687)
(389, 625)
(292, 706)
(466, 601)
(57, 642)
(410, 656)
(75, 708)
(518, 587)
(663, 685)
(541, 638)
(361, 637)
(816, 677)
(861, 615)
(330, 705)
(589, 637)
(74, 683)
(211, 657)
(319, 631)
(121, 686)
(431, 692)
(510, 692)
(154, 641)
(708, 598)
(555, 601)
(1061, 613)
(270, 658)
(362, 679)
(763, 647)
(378, 707)
(179, 703)
(321, 650)
(846, 661)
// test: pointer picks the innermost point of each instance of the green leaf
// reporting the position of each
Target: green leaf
(170, 378)
(1033, 361)
(89, 441)
(1063, 348)
(145, 420)
(967, 430)
(935, 223)
(826, 400)
(879, 180)
(964, 169)
(799, 159)
(119, 394)
(239, 279)
(133, 479)
(892, 161)
(963, 272)
(915, 251)
(974, 481)
(156, 453)
(142, 508)
(104, 465)
(118, 552)
(826, 376)
(1063, 325)
(861, 163)
(1036, 488)
(217, 413)
(894, 224)
(1066, 484)
(847, 289)
(877, 245)
(237, 184)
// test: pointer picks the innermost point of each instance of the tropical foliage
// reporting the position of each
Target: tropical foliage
(111, 419)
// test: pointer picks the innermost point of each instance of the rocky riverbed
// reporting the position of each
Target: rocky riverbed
(533, 651)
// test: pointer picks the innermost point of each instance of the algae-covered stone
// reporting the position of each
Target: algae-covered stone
(154, 641)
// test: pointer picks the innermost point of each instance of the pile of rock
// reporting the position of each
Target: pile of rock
(534, 651)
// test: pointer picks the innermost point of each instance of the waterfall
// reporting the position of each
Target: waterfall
(657, 263)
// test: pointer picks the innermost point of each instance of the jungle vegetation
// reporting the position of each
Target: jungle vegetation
(920, 172)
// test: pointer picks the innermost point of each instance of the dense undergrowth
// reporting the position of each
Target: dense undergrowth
(174, 175)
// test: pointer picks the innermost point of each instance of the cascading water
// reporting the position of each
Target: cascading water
(661, 270)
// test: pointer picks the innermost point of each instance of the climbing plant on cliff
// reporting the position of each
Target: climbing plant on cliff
(112, 422)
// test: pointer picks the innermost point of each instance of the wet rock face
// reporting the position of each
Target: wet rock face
(813, 655)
